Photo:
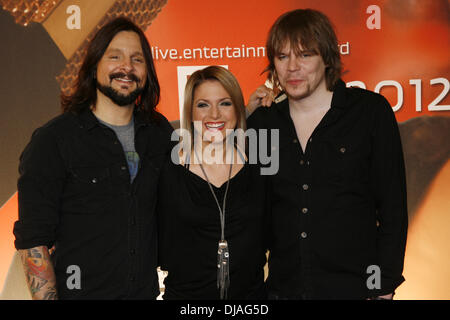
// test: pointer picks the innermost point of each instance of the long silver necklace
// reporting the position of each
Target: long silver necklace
(223, 254)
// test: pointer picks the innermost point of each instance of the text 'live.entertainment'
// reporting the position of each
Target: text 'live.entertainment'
(298, 192)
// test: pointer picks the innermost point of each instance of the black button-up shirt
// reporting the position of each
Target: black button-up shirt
(75, 193)
(339, 207)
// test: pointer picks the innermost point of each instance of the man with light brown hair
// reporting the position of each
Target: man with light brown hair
(339, 216)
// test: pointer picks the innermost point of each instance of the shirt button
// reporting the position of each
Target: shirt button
(94, 180)
(305, 210)
(342, 150)
(295, 141)
(123, 168)
(305, 187)
(303, 235)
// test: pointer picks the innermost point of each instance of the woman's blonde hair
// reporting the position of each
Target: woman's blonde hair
(231, 86)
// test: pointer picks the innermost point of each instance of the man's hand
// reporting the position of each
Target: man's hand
(39, 273)
(262, 97)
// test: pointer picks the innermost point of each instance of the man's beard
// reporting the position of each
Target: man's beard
(115, 96)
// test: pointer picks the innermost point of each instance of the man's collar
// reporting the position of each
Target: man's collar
(139, 119)
(87, 119)
(282, 106)
(339, 99)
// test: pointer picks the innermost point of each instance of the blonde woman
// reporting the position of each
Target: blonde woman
(211, 200)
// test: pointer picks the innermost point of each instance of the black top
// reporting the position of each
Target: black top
(190, 233)
(327, 200)
(75, 193)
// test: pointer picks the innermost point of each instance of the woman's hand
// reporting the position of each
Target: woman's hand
(262, 97)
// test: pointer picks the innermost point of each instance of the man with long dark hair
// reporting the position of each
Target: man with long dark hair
(88, 178)
(339, 215)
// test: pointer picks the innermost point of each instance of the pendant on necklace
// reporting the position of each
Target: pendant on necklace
(223, 269)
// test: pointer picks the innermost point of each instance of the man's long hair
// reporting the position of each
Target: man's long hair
(313, 31)
(84, 93)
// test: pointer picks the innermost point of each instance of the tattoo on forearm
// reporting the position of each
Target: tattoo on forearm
(39, 273)
(51, 294)
(36, 283)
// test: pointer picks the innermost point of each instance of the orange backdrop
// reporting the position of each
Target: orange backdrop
(412, 43)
